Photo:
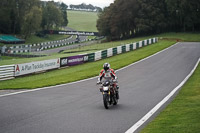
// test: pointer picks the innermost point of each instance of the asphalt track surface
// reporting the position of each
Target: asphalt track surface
(78, 107)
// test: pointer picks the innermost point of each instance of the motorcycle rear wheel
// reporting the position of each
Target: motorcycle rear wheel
(115, 101)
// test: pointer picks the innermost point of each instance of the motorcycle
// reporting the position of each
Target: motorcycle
(110, 96)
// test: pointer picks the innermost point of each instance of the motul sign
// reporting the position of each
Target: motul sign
(27, 68)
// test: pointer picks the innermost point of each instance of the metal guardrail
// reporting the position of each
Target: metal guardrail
(7, 72)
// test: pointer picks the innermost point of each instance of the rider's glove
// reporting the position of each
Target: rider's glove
(115, 80)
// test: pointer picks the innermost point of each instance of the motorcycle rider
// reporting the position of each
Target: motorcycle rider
(108, 73)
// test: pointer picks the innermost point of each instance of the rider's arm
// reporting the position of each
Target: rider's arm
(100, 75)
(113, 74)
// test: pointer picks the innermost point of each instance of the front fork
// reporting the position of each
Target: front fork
(109, 97)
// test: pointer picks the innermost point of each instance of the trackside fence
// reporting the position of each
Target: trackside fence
(7, 72)
(42, 46)
(12, 71)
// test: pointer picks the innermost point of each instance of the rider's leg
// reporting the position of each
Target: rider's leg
(116, 87)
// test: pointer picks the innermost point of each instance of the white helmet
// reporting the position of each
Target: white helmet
(106, 66)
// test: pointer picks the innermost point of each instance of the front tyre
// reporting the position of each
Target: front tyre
(105, 100)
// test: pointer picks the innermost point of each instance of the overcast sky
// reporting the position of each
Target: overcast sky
(99, 3)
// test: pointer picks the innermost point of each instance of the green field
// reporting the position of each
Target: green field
(82, 21)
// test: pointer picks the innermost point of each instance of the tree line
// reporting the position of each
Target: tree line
(128, 18)
(26, 17)
(84, 6)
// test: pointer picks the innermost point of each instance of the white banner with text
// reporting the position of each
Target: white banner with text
(27, 68)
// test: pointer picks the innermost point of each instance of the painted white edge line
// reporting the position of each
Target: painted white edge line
(9, 94)
(153, 110)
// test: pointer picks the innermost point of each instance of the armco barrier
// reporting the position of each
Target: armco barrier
(11, 71)
(7, 72)
(123, 49)
(43, 46)
(91, 57)
(98, 55)
(114, 51)
(120, 49)
(104, 54)
(40, 46)
(110, 52)
(127, 47)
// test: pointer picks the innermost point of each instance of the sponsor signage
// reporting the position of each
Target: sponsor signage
(27, 68)
(80, 33)
(73, 60)
(63, 61)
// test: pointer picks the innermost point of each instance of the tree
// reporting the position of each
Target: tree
(151, 16)
(32, 24)
(12, 13)
(118, 20)
(184, 14)
(5, 21)
(52, 16)
(63, 8)
(103, 23)
(141, 17)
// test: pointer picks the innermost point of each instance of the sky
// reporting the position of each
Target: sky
(99, 3)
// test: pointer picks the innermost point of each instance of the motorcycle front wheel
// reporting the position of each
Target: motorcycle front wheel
(105, 100)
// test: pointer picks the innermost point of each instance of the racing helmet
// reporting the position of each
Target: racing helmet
(106, 66)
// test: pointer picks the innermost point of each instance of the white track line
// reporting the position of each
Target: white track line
(85, 79)
(152, 111)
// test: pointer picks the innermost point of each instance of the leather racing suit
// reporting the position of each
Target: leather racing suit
(108, 75)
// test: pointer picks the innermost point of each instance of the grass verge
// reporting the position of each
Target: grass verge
(83, 71)
(36, 39)
(8, 58)
(182, 115)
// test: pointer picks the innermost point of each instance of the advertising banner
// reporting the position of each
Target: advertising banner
(80, 33)
(27, 68)
(73, 60)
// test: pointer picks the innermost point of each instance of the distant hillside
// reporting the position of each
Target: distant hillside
(82, 21)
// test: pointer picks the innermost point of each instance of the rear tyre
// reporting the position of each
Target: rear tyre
(115, 100)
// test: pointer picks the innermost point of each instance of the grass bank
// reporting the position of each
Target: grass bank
(8, 58)
(79, 72)
(183, 37)
(182, 115)
(36, 39)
